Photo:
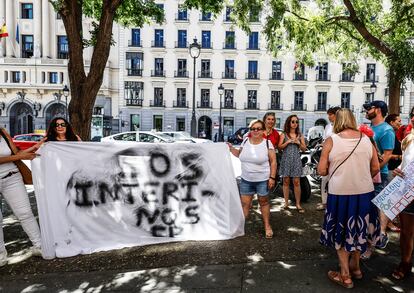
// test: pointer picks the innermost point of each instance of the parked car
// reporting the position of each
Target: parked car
(182, 136)
(25, 141)
(139, 136)
(237, 137)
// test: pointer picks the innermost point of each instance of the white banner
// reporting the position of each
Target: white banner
(398, 194)
(101, 196)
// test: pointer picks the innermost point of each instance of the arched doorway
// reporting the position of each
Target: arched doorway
(54, 110)
(21, 119)
(204, 127)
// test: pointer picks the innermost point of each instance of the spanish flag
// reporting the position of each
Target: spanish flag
(3, 31)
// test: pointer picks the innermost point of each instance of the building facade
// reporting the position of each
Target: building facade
(33, 70)
(156, 77)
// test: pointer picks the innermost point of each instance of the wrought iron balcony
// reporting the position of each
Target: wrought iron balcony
(207, 45)
(229, 75)
(158, 44)
(181, 17)
(298, 76)
(275, 106)
(299, 107)
(276, 76)
(228, 105)
(180, 104)
(229, 46)
(134, 71)
(181, 73)
(181, 44)
(134, 102)
(345, 77)
(158, 73)
(252, 46)
(370, 78)
(205, 105)
(157, 103)
(134, 43)
(320, 107)
(205, 74)
(323, 77)
(251, 106)
(252, 75)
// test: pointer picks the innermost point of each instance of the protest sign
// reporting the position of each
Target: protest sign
(101, 196)
(398, 194)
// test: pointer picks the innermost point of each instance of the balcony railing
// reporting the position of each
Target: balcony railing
(275, 106)
(157, 103)
(229, 46)
(254, 46)
(321, 77)
(344, 77)
(206, 45)
(134, 43)
(27, 54)
(298, 107)
(158, 44)
(158, 73)
(180, 104)
(228, 105)
(229, 75)
(181, 44)
(321, 107)
(181, 73)
(276, 76)
(205, 74)
(251, 106)
(205, 18)
(181, 17)
(63, 55)
(134, 71)
(252, 75)
(297, 76)
(369, 78)
(134, 102)
(205, 105)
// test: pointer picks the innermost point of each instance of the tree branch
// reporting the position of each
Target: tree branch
(297, 15)
(363, 31)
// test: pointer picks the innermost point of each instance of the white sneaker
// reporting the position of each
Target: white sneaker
(3, 258)
(36, 251)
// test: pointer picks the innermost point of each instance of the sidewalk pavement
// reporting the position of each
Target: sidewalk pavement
(289, 276)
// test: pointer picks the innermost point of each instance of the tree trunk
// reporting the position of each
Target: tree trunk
(394, 85)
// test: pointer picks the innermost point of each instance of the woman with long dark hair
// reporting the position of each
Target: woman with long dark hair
(291, 142)
(61, 130)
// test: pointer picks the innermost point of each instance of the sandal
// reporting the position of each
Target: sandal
(269, 233)
(300, 210)
(344, 281)
(367, 254)
(356, 275)
(402, 271)
(321, 207)
(285, 207)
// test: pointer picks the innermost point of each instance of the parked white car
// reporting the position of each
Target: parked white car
(140, 136)
(182, 136)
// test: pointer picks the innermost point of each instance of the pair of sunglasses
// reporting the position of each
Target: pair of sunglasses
(60, 124)
(256, 129)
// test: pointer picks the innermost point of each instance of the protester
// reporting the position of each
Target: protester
(351, 219)
(291, 142)
(385, 140)
(394, 121)
(271, 133)
(407, 215)
(14, 192)
(61, 130)
(258, 166)
(327, 133)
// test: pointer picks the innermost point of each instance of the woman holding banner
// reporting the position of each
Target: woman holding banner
(351, 220)
(407, 215)
(13, 175)
(61, 130)
(258, 165)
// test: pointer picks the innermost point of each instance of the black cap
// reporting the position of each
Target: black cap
(377, 104)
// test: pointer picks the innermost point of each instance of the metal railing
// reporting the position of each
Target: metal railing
(205, 74)
(205, 105)
(181, 73)
(299, 107)
(229, 75)
(275, 106)
(180, 104)
(251, 106)
(157, 103)
(134, 71)
(158, 73)
(134, 102)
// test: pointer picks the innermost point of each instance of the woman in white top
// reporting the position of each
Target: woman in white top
(407, 215)
(258, 165)
(14, 192)
(351, 220)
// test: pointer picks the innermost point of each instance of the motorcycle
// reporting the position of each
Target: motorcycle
(310, 159)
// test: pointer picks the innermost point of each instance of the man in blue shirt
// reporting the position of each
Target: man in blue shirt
(384, 137)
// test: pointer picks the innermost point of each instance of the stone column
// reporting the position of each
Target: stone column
(37, 18)
(46, 39)
(11, 22)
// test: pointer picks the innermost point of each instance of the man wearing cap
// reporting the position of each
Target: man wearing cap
(385, 139)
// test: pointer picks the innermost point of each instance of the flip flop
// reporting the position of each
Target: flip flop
(300, 210)
(337, 278)
(269, 233)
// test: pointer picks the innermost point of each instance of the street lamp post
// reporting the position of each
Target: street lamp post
(66, 94)
(194, 53)
(221, 92)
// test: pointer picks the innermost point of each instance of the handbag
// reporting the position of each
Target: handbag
(330, 176)
(23, 169)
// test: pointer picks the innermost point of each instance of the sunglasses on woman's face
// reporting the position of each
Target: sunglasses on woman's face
(60, 124)
(256, 129)
(294, 121)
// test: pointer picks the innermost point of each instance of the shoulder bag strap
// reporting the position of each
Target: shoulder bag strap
(7, 140)
(345, 158)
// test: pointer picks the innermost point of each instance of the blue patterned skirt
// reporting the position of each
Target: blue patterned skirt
(350, 222)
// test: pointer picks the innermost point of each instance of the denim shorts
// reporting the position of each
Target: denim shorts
(251, 188)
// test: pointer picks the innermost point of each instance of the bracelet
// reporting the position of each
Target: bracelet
(272, 178)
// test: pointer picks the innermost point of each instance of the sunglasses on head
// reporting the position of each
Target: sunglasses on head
(294, 121)
(256, 129)
(60, 124)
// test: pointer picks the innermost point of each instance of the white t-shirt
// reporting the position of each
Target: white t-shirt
(408, 155)
(254, 159)
(328, 131)
(5, 152)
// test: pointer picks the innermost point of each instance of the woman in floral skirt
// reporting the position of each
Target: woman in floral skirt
(351, 221)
